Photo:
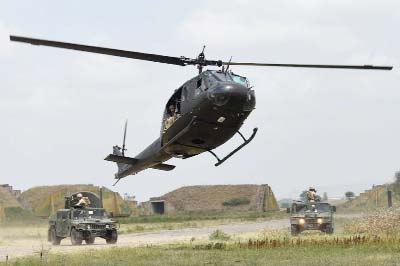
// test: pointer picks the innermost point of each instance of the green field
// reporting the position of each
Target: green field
(382, 253)
(371, 240)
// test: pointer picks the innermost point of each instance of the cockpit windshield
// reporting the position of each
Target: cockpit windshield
(318, 207)
(239, 79)
(219, 76)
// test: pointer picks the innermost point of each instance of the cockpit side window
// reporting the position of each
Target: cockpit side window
(199, 87)
(184, 94)
(199, 83)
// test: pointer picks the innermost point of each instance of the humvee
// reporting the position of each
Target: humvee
(311, 216)
(81, 223)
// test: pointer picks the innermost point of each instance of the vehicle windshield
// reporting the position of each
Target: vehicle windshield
(89, 213)
(318, 207)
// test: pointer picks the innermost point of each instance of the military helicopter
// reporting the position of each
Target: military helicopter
(202, 114)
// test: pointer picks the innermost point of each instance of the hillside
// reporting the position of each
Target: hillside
(219, 198)
(376, 197)
(7, 199)
(44, 200)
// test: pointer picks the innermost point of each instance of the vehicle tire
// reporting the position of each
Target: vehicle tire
(55, 240)
(76, 237)
(294, 230)
(89, 241)
(112, 237)
(329, 229)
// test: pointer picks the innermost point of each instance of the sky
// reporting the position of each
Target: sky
(62, 111)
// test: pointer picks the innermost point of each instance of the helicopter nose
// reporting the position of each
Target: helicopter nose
(231, 92)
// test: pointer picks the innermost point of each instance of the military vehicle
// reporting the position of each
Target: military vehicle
(311, 216)
(82, 222)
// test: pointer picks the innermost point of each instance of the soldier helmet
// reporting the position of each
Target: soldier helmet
(79, 195)
(312, 189)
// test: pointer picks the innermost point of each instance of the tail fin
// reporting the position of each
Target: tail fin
(117, 151)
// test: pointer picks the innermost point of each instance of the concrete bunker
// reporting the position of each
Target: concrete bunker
(158, 206)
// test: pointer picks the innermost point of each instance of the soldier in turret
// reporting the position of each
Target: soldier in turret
(82, 201)
(312, 195)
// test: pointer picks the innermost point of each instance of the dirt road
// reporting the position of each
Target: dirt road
(17, 248)
(24, 247)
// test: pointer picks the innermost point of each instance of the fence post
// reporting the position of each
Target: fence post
(389, 194)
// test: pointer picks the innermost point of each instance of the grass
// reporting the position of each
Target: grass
(11, 232)
(140, 224)
(151, 227)
(219, 235)
(269, 247)
(368, 253)
(203, 216)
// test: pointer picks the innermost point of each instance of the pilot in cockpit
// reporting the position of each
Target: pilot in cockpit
(173, 115)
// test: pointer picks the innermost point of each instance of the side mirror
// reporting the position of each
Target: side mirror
(334, 208)
(288, 210)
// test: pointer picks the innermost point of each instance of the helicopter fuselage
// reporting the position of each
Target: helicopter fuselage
(210, 109)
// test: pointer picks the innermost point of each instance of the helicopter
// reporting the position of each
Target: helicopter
(201, 115)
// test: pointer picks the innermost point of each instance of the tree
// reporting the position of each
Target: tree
(285, 205)
(325, 196)
(349, 195)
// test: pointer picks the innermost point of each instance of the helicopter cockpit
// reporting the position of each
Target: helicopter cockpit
(223, 76)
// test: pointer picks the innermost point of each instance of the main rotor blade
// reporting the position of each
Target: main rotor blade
(101, 50)
(312, 66)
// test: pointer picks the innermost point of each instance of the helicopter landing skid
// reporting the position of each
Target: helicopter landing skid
(246, 141)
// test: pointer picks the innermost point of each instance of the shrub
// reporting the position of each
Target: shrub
(236, 202)
(19, 216)
(381, 222)
(219, 235)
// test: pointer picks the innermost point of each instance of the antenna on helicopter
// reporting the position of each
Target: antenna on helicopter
(201, 60)
(123, 142)
(228, 64)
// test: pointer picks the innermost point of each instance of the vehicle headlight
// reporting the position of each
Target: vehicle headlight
(302, 221)
(107, 226)
(320, 220)
(88, 226)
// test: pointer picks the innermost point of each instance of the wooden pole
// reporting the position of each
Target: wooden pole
(389, 194)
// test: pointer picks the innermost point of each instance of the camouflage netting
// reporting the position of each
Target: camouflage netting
(45, 200)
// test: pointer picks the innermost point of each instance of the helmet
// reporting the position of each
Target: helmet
(312, 189)
(79, 195)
